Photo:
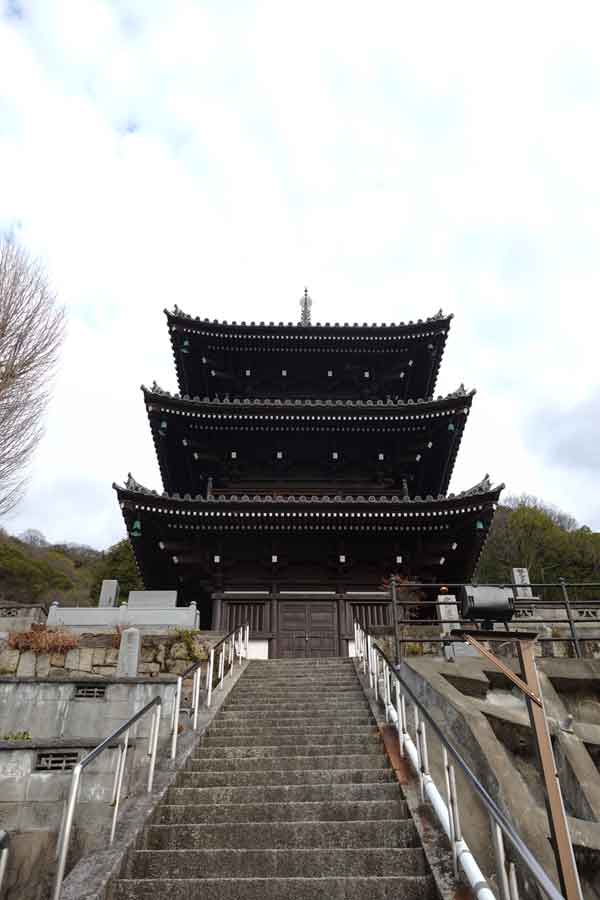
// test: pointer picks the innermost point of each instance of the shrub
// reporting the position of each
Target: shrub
(42, 639)
(16, 736)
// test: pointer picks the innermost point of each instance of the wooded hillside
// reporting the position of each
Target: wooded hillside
(34, 571)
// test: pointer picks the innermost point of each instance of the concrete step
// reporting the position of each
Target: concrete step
(306, 708)
(341, 792)
(273, 863)
(333, 888)
(258, 742)
(221, 730)
(230, 718)
(307, 761)
(285, 811)
(280, 777)
(282, 835)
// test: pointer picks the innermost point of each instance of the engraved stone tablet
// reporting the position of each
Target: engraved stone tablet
(129, 653)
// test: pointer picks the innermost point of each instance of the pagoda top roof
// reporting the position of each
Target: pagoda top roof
(461, 393)
(483, 490)
(249, 329)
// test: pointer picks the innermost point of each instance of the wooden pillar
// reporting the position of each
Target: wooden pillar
(217, 607)
(274, 650)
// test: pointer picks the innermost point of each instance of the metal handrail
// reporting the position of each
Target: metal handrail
(367, 651)
(520, 602)
(238, 646)
(65, 833)
(4, 848)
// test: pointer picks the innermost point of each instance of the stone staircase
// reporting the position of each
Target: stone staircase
(289, 795)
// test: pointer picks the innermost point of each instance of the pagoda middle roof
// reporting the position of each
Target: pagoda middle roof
(243, 403)
(483, 490)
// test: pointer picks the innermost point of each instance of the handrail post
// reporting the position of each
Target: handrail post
(123, 763)
(567, 605)
(197, 681)
(500, 857)
(154, 749)
(66, 832)
(4, 848)
(209, 684)
(247, 639)
(175, 717)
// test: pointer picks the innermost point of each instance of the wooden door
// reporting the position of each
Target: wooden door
(308, 629)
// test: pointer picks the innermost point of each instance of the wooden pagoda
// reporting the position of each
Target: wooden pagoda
(301, 464)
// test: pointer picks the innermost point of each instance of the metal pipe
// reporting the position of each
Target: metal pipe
(498, 844)
(4, 849)
(66, 834)
(570, 618)
(175, 717)
(123, 762)
(155, 732)
(209, 676)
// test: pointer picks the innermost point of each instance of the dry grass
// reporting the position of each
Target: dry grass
(42, 639)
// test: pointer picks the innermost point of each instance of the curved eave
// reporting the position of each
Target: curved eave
(331, 505)
(375, 409)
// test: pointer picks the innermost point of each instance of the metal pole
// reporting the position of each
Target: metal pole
(155, 730)
(498, 844)
(123, 762)
(209, 677)
(66, 832)
(177, 702)
(570, 618)
(197, 700)
(3, 865)
(396, 625)
(557, 819)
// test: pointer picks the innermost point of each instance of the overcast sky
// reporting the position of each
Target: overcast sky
(395, 157)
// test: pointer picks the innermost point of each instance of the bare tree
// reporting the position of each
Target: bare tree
(31, 334)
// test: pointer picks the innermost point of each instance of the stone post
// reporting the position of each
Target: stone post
(109, 593)
(129, 653)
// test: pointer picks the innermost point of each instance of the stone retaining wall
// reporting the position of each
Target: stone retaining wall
(98, 655)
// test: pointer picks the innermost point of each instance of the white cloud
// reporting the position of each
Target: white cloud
(397, 158)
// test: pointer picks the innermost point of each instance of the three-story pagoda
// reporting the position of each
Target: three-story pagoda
(301, 464)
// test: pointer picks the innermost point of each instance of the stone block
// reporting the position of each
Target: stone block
(9, 660)
(152, 599)
(41, 816)
(12, 788)
(106, 671)
(148, 668)
(42, 666)
(57, 659)
(98, 657)
(72, 659)
(179, 651)
(26, 667)
(177, 666)
(112, 656)
(46, 787)
(148, 654)
(161, 652)
(58, 672)
(9, 815)
(85, 659)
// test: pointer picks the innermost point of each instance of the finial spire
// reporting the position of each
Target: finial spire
(305, 306)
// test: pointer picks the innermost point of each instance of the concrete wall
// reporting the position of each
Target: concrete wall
(20, 618)
(49, 709)
(104, 619)
(258, 649)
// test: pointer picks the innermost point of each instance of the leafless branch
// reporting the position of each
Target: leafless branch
(31, 334)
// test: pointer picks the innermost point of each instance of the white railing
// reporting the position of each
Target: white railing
(4, 846)
(65, 832)
(233, 646)
(382, 675)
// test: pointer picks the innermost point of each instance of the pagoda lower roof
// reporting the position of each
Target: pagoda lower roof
(483, 492)
(408, 408)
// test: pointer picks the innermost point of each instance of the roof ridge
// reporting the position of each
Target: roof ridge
(178, 313)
